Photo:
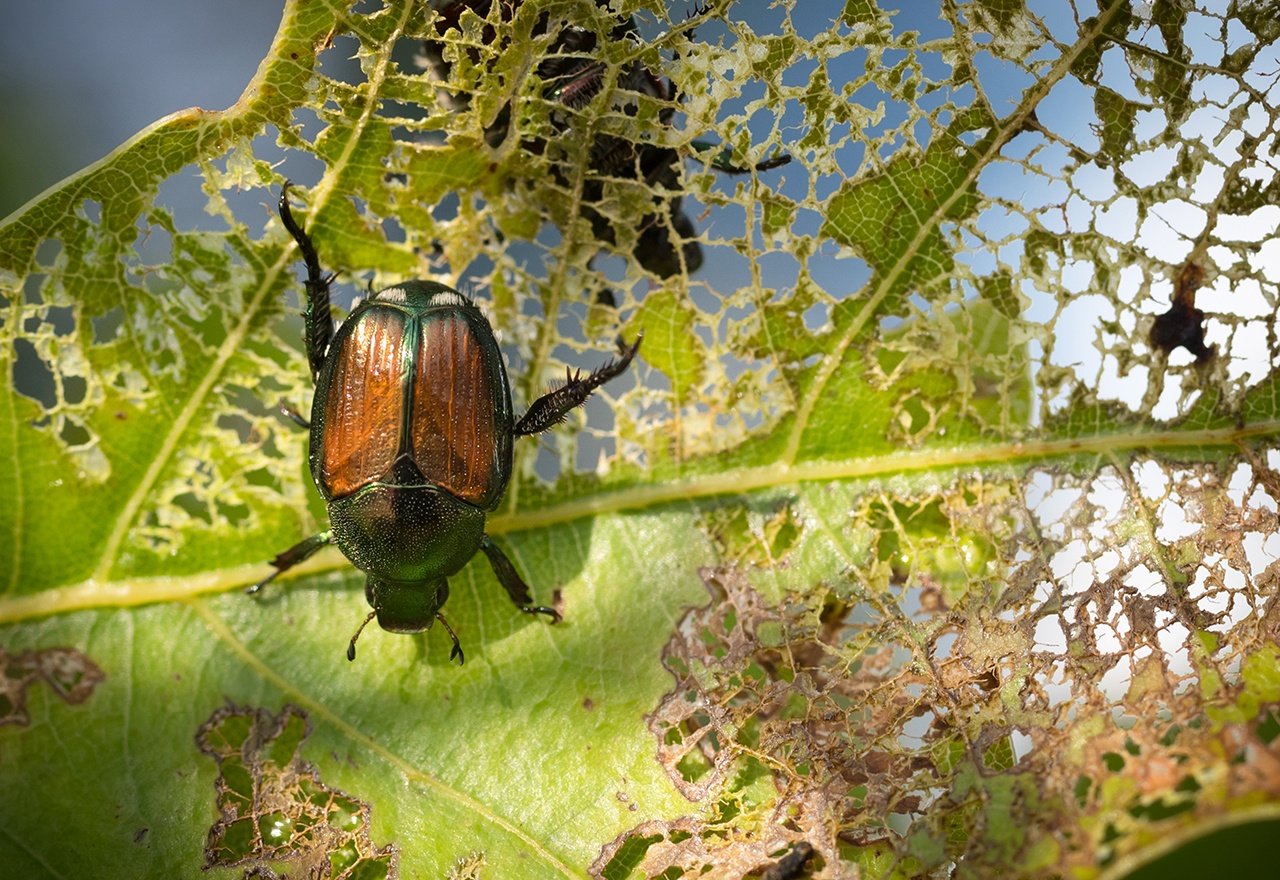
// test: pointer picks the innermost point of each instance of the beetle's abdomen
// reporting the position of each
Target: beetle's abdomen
(414, 393)
(365, 404)
(454, 430)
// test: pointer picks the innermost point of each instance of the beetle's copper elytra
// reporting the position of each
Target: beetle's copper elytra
(417, 384)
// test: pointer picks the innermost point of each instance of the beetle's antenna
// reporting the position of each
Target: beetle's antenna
(457, 648)
(351, 648)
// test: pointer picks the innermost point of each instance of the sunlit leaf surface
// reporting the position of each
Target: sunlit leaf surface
(933, 532)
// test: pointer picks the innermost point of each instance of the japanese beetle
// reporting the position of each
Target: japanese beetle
(573, 75)
(411, 441)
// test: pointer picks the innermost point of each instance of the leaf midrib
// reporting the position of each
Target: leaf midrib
(130, 592)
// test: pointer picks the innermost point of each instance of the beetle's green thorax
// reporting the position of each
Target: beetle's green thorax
(408, 535)
(421, 296)
(406, 607)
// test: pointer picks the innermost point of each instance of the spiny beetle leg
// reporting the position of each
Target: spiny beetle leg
(316, 313)
(456, 653)
(291, 557)
(511, 581)
(551, 408)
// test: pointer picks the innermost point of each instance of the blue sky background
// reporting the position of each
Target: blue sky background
(79, 77)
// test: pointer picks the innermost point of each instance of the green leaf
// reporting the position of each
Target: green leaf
(901, 549)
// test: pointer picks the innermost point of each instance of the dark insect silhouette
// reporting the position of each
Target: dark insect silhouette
(573, 75)
(1183, 324)
(792, 865)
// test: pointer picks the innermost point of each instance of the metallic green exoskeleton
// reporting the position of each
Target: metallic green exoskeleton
(411, 439)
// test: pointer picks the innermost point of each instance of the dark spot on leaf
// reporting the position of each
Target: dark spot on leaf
(275, 813)
(140, 835)
(588, 703)
(70, 673)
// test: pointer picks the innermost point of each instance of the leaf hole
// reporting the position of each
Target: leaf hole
(32, 376)
(107, 326)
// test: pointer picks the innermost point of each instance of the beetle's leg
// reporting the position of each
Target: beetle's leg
(291, 557)
(457, 647)
(510, 579)
(722, 160)
(316, 314)
(551, 408)
(294, 416)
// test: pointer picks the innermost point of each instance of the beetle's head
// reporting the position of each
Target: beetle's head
(406, 607)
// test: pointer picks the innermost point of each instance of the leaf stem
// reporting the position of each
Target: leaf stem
(1015, 456)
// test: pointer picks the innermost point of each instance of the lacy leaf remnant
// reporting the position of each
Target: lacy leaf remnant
(1095, 681)
(687, 847)
(68, 672)
(276, 816)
